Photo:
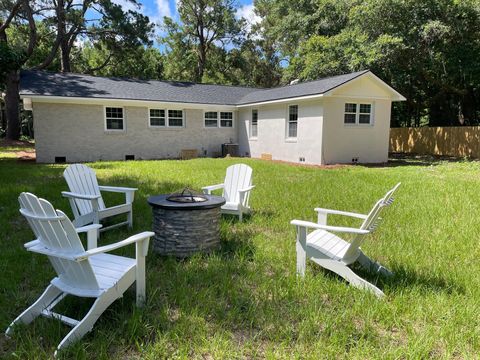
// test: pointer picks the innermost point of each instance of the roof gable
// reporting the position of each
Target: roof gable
(368, 86)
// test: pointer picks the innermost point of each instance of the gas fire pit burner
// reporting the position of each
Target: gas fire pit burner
(185, 223)
(187, 196)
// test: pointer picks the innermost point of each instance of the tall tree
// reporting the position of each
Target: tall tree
(203, 25)
(70, 20)
(15, 58)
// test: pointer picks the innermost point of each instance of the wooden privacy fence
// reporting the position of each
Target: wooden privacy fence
(451, 141)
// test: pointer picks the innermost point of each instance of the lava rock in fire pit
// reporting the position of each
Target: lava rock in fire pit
(185, 223)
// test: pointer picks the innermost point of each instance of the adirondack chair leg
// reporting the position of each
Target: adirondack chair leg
(345, 272)
(373, 266)
(130, 219)
(240, 216)
(141, 250)
(86, 324)
(301, 251)
(49, 295)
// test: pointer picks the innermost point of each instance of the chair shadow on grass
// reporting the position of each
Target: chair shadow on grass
(403, 278)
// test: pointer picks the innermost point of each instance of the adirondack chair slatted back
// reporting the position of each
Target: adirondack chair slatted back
(82, 180)
(238, 177)
(372, 221)
(55, 232)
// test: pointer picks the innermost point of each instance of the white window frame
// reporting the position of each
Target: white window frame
(124, 122)
(358, 113)
(287, 124)
(219, 119)
(251, 125)
(204, 119)
(168, 119)
(150, 117)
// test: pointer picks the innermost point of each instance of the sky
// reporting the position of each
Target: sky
(157, 9)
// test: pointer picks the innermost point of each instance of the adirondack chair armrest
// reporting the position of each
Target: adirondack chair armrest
(92, 231)
(107, 248)
(338, 212)
(312, 225)
(69, 194)
(247, 189)
(116, 189)
(129, 192)
(88, 228)
(208, 189)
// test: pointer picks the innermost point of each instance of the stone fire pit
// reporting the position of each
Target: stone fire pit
(185, 223)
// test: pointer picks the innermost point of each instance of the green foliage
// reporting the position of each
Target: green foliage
(244, 300)
(206, 27)
(141, 62)
(11, 58)
(428, 50)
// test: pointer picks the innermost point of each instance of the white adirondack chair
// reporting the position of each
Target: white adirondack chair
(332, 252)
(236, 190)
(91, 273)
(86, 200)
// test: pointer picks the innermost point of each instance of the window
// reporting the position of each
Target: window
(358, 114)
(113, 118)
(157, 117)
(292, 121)
(226, 119)
(350, 113)
(364, 115)
(211, 119)
(254, 124)
(175, 118)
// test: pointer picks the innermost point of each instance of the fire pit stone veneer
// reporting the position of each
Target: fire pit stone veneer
(185, 223)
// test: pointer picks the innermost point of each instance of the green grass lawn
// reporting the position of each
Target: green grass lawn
(244, 300)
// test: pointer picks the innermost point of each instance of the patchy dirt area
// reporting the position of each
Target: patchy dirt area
(22, 150)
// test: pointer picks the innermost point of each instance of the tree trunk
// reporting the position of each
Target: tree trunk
(12, 101)
(65, 56)
(62, 32)
(200, 63)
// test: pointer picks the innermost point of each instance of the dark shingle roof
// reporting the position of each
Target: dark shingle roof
(77, 85)
(301, 89)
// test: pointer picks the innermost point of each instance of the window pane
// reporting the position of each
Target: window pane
(154, 121)
(115, 124)
(349, 119)
(175, 113)
(116, 113)
(211, 123)
(350, 108)
(292, 129)
(365, 108)
(211, 115)
(226, 115)
(254, 116)
(226, 123)
(254, 132)
(363, 119)
(175, 122)
(159, 113)
(293, 112)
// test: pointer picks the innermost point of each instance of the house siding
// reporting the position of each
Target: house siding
(272, 126)
(367, 143)
(78, 133)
